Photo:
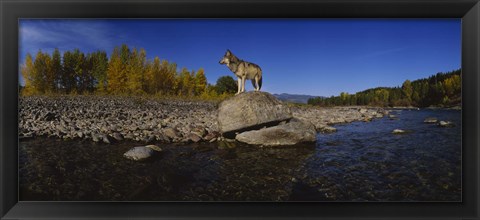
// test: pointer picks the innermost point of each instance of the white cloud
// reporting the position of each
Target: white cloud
(65, 35)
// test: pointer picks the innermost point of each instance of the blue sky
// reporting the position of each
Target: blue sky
(319, 57)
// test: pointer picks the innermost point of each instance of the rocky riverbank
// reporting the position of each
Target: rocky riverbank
(111, 119)
(323, 117)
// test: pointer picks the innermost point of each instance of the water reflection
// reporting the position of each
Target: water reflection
(52, 169)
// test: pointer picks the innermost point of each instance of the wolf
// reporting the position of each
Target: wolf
(243, 70)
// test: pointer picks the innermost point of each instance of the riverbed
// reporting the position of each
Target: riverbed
(362, 161)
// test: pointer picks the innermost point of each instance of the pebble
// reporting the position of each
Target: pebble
(194, 137)
(398, 131)
(430, 120)
(117, 136)
(446, 124)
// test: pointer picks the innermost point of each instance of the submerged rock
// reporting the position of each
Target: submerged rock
(142, 152)
(430, 120)
(399, 131)
(446, 124)
(294, 132)
(249, 111)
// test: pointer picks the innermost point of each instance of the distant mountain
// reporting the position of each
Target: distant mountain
(294, 97)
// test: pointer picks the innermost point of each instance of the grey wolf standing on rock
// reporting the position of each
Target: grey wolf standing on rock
(243, 70)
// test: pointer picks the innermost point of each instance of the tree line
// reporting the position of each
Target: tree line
(126, 71)
(441, 89)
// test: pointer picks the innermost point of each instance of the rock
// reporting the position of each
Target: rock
(25, 136)
(200, 131)
(446, 124)
(430, 120)
(171, 133)
(139, 153)
(399, 131)
(49, 116)
(294, 132)
(363, 110)
(459, 107)
(227, 144)
(132, 128)
(249, 111)
(154, 147)
(95, 138)
(149, 139)
(105, 138)
(367, 119)
(210, 136)
(117, 136)
(327, 129)
(336, 120)
(61, 128)
(129, 136)
(162, 137)
(194, 137)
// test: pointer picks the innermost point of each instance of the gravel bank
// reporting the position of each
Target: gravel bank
(112, 119)
(323, 117)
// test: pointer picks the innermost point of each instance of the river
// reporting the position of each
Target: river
(362, 161)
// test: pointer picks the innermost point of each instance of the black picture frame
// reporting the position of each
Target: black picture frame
(11, 11)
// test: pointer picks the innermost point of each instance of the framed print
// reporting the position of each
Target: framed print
(239, 109)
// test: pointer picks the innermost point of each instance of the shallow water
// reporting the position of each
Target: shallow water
(365, 161)
(361, 162)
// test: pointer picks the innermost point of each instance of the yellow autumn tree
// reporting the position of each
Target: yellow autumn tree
(136, 71)
(185, 83)
(200, 82)
(157, 76)
(114, 72)
(41, 72)
(27, 74)
(167, 77)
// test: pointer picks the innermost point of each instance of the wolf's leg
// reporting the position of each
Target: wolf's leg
(243, 83)
(257, 87)
(239, 85)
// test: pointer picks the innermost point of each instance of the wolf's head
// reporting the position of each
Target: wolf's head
(227, 58)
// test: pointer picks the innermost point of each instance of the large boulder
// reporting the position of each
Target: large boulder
(294, 132)
(250, 111)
